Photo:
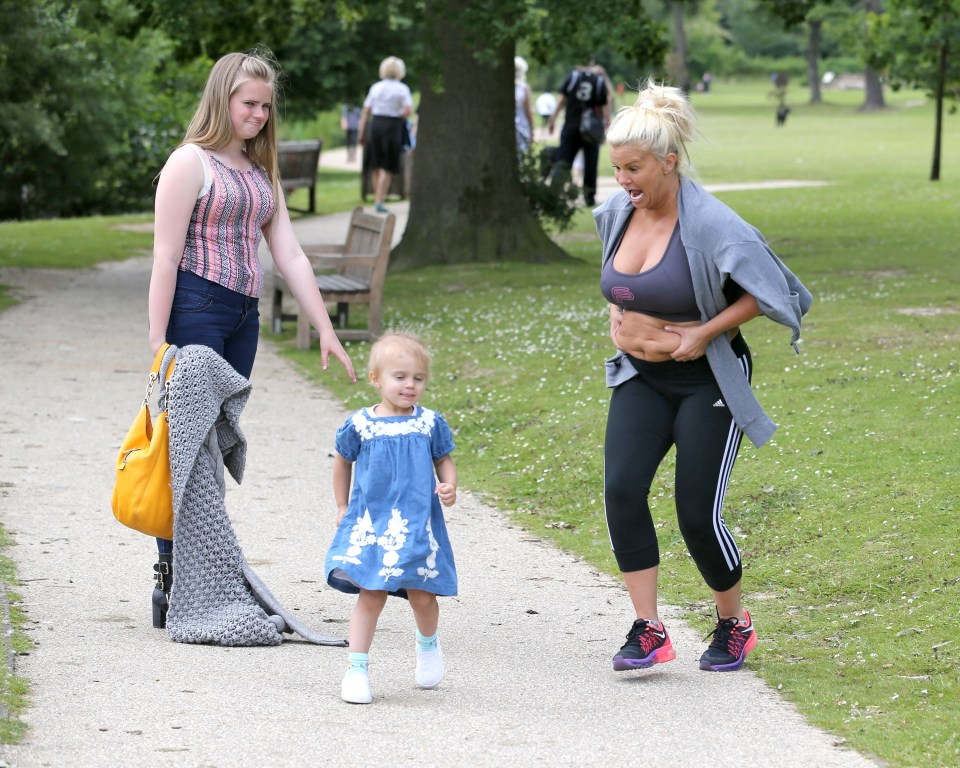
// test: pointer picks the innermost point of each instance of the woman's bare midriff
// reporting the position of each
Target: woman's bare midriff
(642, 336)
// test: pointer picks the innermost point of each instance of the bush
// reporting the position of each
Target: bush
(551, 192)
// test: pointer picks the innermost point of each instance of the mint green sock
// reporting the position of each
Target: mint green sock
(426, 643)
(358, 662)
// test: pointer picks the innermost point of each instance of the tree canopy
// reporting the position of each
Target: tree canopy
(97, 92)
(467, 203)
(917, 41)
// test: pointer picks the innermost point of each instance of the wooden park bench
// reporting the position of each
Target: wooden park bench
(298, 161)
(351, 273)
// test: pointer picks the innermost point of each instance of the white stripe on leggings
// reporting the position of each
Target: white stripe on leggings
(731, 553)
(727, 544)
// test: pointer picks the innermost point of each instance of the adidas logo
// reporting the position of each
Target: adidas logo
(719, 404)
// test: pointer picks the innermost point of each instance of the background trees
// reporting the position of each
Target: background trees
(466, 202)
(92, 107)
(919, 43)
(97, 92)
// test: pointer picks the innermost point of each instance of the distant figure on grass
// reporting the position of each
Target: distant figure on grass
(383, 126)
(391, 538)
(218, 192)
(350, 125)
(780, 81)
(682, 272)
(522, 106)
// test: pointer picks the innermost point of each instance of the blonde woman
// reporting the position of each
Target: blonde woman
(523, 105)
(217, 194)
(682, 273)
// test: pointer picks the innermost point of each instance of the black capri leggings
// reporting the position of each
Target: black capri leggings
(673, 403)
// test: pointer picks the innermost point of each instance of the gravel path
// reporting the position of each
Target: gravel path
(528, 642)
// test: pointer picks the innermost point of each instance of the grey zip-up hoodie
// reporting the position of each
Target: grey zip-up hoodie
(720, 246)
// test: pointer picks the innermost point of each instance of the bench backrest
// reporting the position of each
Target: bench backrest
(298, 161)
(369, 234)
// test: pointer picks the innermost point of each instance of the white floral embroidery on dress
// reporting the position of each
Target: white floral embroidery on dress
(369, 428)
(394, 539)
(430, 571)
(361, 535)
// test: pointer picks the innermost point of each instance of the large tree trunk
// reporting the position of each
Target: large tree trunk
(466, 202)
(873, 97)
(813, 59)
(679, 58)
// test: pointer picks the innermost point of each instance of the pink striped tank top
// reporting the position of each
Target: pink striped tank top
(225, 227)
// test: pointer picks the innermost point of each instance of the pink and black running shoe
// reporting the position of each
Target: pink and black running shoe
(647, 644)
(732, 641)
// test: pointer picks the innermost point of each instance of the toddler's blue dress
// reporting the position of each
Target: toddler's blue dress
(393, 536)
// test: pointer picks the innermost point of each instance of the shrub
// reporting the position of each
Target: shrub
(551, 192)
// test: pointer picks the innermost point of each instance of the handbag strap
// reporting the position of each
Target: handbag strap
(164, 373)
(161, 370)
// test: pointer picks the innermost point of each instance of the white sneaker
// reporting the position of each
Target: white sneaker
(429, 668)
(356, 688)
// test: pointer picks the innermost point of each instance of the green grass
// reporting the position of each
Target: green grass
(847, 518)
(13, 688)
(73, 243)
(82, 242)
(336, 191)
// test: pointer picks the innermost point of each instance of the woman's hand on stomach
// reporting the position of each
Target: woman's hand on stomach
(647, 338)
(693, 341)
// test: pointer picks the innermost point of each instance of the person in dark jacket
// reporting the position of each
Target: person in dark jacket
(584, 88)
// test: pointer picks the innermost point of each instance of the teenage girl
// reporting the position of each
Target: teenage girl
(391, 472)
(217, 194)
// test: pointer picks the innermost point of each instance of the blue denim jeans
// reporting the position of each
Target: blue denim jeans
(206, 313)
(228, 322)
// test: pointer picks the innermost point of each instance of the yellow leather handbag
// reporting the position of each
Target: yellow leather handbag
(142, 496)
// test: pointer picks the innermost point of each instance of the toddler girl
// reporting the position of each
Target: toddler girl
(391, 538)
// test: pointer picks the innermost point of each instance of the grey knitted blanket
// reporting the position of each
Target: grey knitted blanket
(216, 596)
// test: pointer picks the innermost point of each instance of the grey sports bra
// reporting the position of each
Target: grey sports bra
(665, 291)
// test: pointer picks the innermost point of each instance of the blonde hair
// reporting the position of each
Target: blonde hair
(662, 120)
(211, 127)
(393, 343)
(392, 68)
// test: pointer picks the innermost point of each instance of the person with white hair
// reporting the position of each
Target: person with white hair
(523, 105)
(385, 112)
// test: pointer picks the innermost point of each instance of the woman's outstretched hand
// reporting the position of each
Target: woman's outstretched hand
(330, 345)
